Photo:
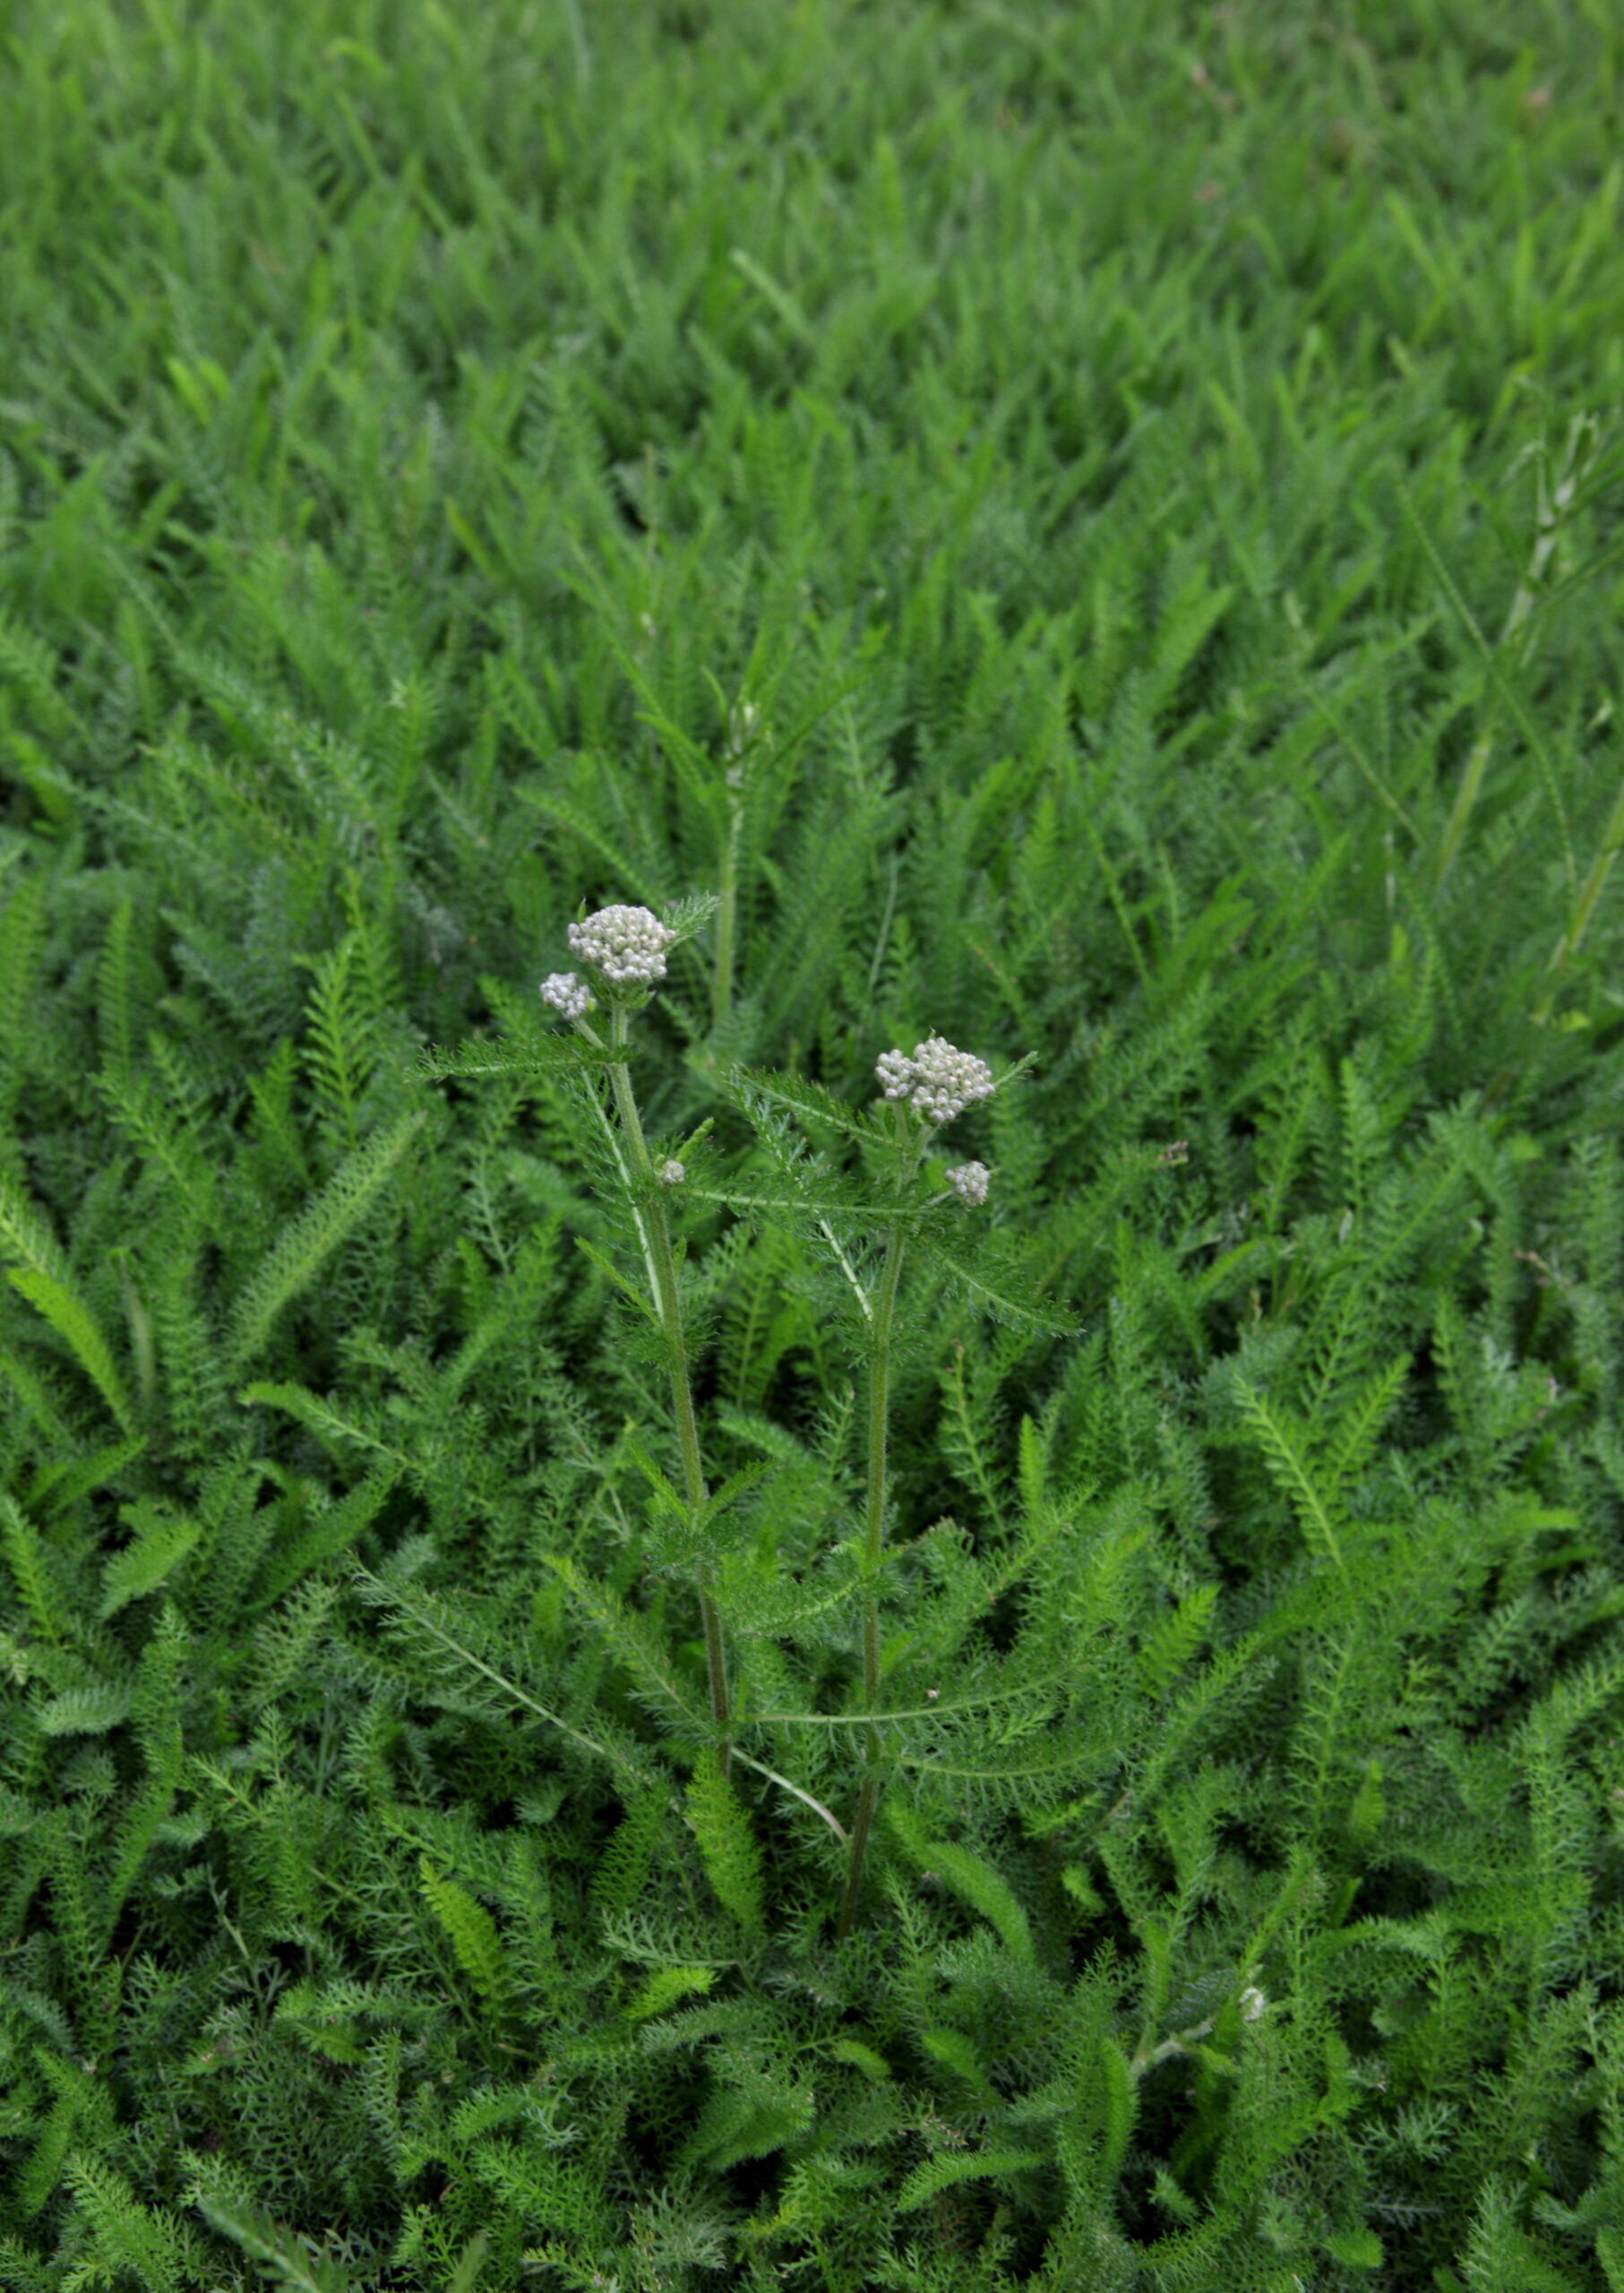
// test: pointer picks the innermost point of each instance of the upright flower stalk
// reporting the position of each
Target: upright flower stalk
(938, 1082)
(884, 1307)
(740, 731)
(626, 947)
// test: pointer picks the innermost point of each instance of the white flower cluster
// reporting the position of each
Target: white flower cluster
(969, 1183)
(566, 994)
(627, 944)
(1253, 2003)
(895, 1069)
(671, 1172)
(940, 1080)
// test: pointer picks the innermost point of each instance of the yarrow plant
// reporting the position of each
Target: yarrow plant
(969, 1183)
(565, 993)
(626, 944)
(940, 1080)
(626, 948)
(938, 1083)
(623, 951)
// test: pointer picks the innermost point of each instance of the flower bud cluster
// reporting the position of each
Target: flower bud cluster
(568, 994)
(940, 1080)
(895, 1069)
(671, 1172)
(627, 944)
(969, 1183)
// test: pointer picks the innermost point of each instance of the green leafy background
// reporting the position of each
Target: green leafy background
(1093, 529)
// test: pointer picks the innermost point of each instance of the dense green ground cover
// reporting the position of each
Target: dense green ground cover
(1095, 529)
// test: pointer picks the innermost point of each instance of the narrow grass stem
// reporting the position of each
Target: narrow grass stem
(1465, 798)
(667, 1300)
(721, 993)
(885, 1302)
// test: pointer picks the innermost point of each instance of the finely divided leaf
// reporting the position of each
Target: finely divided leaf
(284, 2257)
(974, 1882)
(475, 1936)
(937, 2174)
(544, 1055)
(1176, 1639)
(732, 1857)
(142, 1565)
(306, 1241)
(45, 1278)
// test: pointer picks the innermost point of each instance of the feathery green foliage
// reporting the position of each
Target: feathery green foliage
(562, 1726)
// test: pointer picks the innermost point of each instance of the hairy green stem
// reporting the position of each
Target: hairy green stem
(663, 1265)
(885, 1302)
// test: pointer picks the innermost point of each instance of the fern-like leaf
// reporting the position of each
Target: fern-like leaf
(972, 1881)
(474, 1934)
(41, 1274)
(631, 1641)
(1290, 1468)
(623, 1867)
(727, 1845)
(543, 1055)
(663, 1987)
(158, 1548)
(937, 2174)
(435, 1623)
(993, 1280)
(328, 1536)
(282, 2255)
(308, 1238)
(1176, 1639)
(156, 2248)
(26, 1555)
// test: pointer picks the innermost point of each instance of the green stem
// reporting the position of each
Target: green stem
(721, 991)
(885, 1303)
(663, 1265)
(1465, 798)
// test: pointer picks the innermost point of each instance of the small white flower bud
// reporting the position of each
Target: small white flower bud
(627, 944)
(969, 1183)
(671, 1172)
(568, 994)
(946, 1080)
(1253, 2003)
(895, 1069)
